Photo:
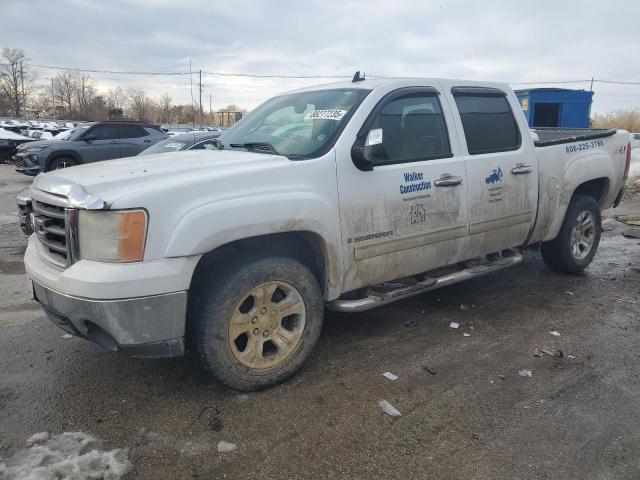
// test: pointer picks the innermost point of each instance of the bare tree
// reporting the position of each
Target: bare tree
(137, 102)
(165, 108)
(15, 82)
(116, 98)
(85, 94)
(65, 85)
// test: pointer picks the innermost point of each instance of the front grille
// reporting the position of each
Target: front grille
(50, 223)
(19, 162)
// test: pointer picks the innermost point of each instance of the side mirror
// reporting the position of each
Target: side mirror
(367, 149)
(89, 138)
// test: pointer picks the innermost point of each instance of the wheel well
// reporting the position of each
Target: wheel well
(306, 247)
(596, 189)
(56, 156)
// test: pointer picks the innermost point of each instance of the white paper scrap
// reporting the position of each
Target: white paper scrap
(389, 409)
(454, 325)
(390, 376)
(555, 333)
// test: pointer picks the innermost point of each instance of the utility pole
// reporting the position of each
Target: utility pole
(24, 98)
(591, 87)
(200, 85)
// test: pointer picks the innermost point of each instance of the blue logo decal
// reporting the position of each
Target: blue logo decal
(495, 177)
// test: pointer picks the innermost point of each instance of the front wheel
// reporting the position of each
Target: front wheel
(257, 321)
(63, 162)
(577, 242)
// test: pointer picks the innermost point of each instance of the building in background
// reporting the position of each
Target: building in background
(556, 107)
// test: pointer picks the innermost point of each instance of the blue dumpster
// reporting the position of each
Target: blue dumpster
(556, 107)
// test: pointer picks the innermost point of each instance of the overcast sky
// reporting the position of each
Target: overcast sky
(488, 40)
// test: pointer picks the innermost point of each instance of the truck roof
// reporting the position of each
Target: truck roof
(372, 83)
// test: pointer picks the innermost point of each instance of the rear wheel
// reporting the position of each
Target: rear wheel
(577, 242)
(63, 162)
(257, 321)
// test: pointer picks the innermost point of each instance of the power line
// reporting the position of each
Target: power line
(282, 76)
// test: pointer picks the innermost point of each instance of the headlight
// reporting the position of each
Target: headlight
(112, 236)
(32, 149)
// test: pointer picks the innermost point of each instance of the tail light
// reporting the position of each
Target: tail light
(627, 164)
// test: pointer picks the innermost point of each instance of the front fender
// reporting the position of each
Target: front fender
(210, 226)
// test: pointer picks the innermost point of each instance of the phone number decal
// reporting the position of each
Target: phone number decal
(579, 147)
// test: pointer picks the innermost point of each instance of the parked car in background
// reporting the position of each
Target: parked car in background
(9, 141)
(63, 135)
(635, 140)
(89, 142)
(184, 141)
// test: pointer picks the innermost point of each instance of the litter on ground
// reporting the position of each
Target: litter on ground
(466, 334)
(541, 352)
(555, 333)
(464, 307)
(569, 293)
(390, 376)
(67, 336)
(454, 325)
(525, 373)
(226, 447)
(389, 409)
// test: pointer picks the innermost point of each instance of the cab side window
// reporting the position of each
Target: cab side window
(488, 122)
(413, 128)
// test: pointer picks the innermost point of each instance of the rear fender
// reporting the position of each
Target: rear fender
(578, 171)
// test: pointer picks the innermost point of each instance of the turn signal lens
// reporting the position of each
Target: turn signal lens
(112, 236)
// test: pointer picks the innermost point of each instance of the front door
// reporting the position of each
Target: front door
(104, 146)
(501, 166)
(408, 214)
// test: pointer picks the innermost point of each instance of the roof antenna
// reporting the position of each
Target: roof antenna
(358, 77)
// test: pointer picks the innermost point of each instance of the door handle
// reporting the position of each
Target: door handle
(113, 143)
(147, 141)
(448, 180)
(521, 168)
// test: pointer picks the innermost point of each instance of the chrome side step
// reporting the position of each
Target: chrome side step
(378, 298)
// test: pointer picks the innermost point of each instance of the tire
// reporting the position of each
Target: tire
(62, 162)
(567, 253)
(247, 339)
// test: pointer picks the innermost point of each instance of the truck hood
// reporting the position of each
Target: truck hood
(97, 185)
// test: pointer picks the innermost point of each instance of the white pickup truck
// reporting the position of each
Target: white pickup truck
(347, 196)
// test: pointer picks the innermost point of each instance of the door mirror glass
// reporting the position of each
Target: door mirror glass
(89, 138)
(374, 137)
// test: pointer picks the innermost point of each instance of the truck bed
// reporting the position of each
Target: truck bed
(556, 136)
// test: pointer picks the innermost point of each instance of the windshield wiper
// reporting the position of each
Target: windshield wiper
(262, 147)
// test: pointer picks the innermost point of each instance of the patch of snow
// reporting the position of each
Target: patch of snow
(70, 455)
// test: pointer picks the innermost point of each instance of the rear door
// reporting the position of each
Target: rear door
(133, 139)
(105, 146)
(501, 168)
(409, 213)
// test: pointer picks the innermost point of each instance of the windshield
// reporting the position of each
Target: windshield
(297, 125)
(168, 145)
(78, 132)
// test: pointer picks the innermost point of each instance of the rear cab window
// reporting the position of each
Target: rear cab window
(487, 119)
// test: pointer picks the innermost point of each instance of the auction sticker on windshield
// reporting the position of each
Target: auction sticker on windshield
(334, 114)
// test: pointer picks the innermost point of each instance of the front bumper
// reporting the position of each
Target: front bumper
(150, 326)
(26, 163)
